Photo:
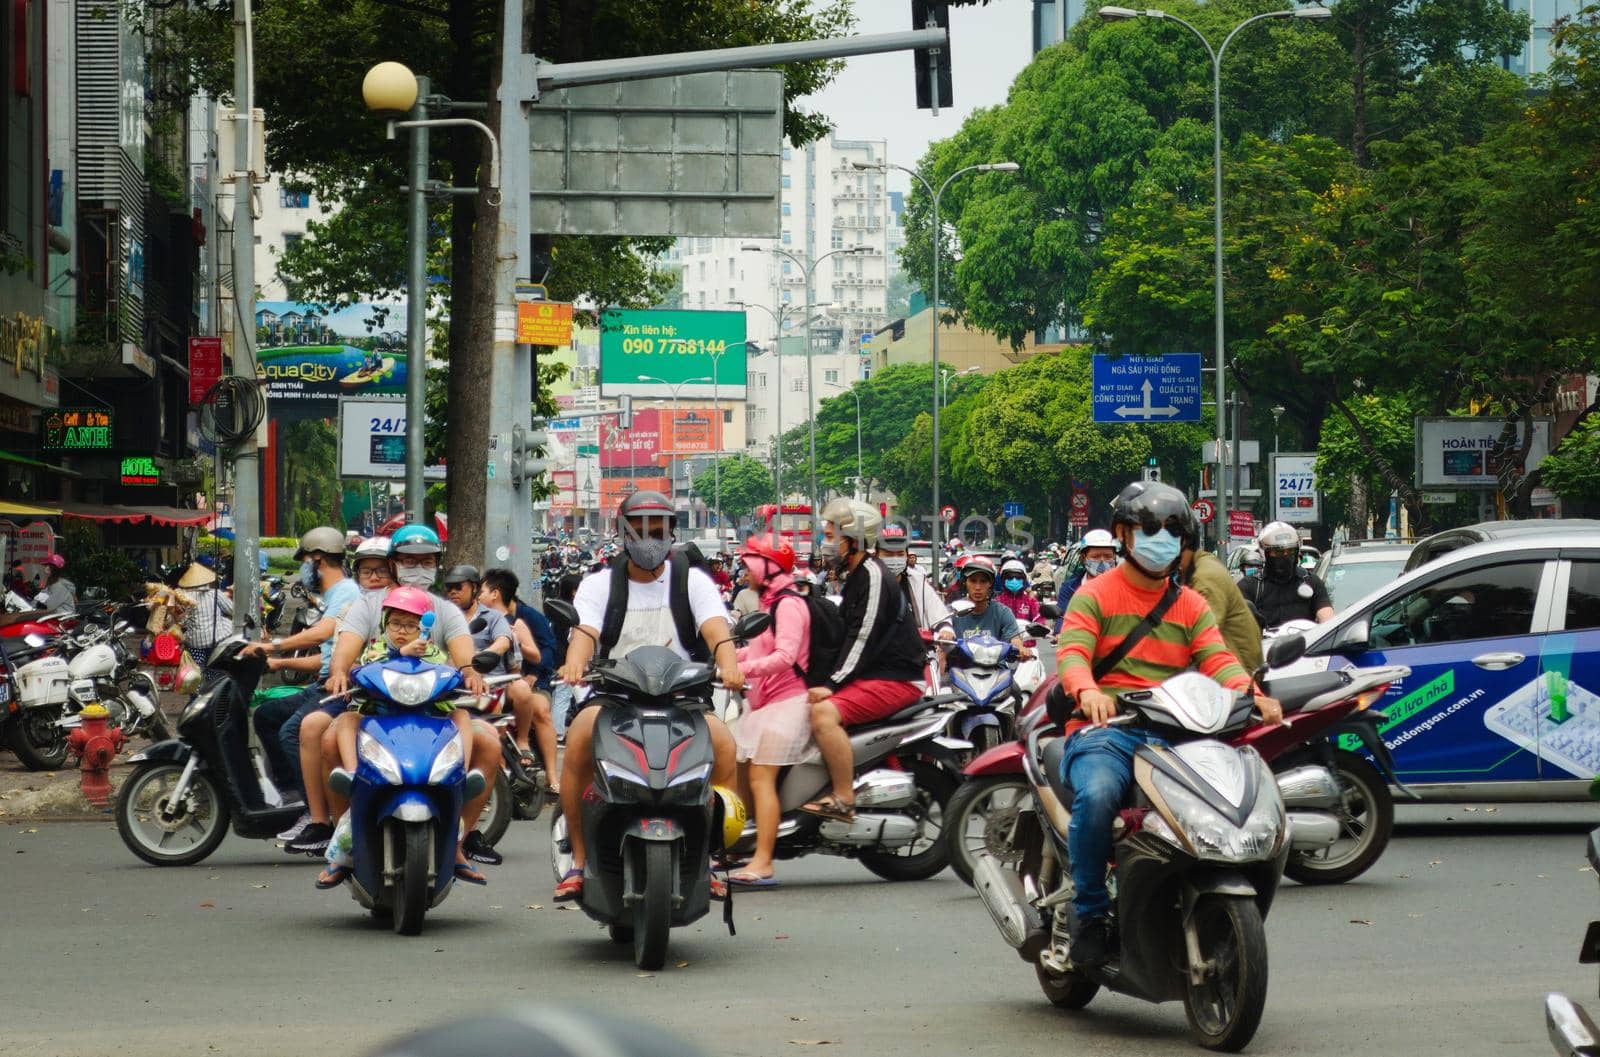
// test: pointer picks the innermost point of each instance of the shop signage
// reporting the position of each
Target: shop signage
(140, 470)
(76, 429)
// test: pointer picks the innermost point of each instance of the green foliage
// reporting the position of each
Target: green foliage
(1342, 460)
(746, 483)
(311, 474)
(91, 565)
(1572, 471)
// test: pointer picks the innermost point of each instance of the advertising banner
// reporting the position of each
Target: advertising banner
(327, 372)
(544, 323)
(76, 429)
(205, 367)
(614, 489)
(1459, 452)
(637, 446)
(672, 353)
(1295, 498)
(692, 432)
(1241, 526)
(372, 440)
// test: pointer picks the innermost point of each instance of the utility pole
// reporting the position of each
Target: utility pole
(417, 308)
(247, 456)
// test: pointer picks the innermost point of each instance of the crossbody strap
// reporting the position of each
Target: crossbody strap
(1134, 637)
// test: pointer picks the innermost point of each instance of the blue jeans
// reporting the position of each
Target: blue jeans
(1099, 766)
(278, 724)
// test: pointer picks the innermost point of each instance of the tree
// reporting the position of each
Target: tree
(1572, 471)
(745, 482)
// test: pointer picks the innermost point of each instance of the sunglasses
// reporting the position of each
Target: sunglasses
(1150, 526)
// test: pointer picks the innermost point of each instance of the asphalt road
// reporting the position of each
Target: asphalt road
(1446, 947)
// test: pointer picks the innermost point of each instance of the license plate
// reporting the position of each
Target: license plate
(5, 691)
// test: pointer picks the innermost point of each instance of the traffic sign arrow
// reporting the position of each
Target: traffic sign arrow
(1144, 410)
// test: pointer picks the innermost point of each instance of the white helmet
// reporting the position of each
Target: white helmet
(376, 547)
(1013, 565)
(855, 519)
(1279, 535)
(1098, 538)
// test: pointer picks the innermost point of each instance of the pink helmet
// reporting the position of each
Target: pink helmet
(413, 600)
(56, 561)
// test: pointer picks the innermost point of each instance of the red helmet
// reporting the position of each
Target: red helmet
(977, 563)
(413, 600)
(56, 561)
(775, 549)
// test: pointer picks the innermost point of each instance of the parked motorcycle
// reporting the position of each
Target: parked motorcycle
(34, 681)
(1572, 1032)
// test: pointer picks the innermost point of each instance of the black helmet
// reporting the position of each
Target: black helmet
(462, 574)
(1150, 505)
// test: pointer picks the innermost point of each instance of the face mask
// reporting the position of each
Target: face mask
(828, 549)
(1098, 566)
(896, 564)
(415, 576)
(1014, 586)
(1281, 568)
(308, 575)
(1156, 554)
(647, 552)
(369, 592)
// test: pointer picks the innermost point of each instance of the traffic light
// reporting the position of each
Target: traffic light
(932, 64)
(1151, 471)
(525, 465)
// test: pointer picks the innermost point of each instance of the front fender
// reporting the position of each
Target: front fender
(1003, 759)
(657, 829)
(973, 720)
(408, 805)
(173, 750)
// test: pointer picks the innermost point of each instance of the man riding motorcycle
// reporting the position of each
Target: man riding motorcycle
(1284, 591)
(920, 595)
(1098, 553)
(1148, 628)
(987, 617)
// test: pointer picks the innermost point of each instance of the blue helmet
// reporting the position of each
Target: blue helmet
(415, 539)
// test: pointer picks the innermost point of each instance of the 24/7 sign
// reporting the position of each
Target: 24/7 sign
(1295, 498)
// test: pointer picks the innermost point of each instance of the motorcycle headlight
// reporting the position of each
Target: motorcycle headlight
(378, 755)
(617, 773)
(448, 760)
(987, 655)
(693, 774)
(410, 688)
(1212, 836)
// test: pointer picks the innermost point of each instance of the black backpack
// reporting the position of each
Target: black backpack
(678, 565)
(827, 636)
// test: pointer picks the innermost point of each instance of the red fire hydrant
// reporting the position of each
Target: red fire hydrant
(97, 743)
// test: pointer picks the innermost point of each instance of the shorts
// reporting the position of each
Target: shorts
(869, 700)
(776, 734)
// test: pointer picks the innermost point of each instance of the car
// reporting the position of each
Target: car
(1444, 542)
(1352, 569)
(1503, 641)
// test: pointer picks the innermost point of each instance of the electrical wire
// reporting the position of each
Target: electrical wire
(231, 411)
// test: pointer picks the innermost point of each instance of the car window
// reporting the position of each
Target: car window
(1481, 604)
(1349, 582)
(1583, 596)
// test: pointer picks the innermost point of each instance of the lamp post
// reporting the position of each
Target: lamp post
(672, 471)
(859, 476)
(1116, 14)
(1277, 415)
(1004, 166)
(946, 375)
(716, 443)
(777, 352)
(390, 88)
(811, 395)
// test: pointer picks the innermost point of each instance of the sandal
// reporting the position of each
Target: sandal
(830, 806)
(332, 877)
(527, 760)
(719, 887)
(570, 886)
(746, 879)
(465, 872)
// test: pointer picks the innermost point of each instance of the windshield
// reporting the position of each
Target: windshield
(1349, 581)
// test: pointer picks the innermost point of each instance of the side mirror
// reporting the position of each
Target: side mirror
(477, 626)
(1038, 630)
(1285, 650)
(1353, 637)
(1050, 611)
(565, 611)
(751, 625)
(311, 616)
(962, 606)
(487, 661)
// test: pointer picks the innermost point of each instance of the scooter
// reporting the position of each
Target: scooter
(982, 669)
(176, 806)
(1572, 1032)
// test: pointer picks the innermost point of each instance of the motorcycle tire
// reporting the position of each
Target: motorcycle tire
(652, 911)
(1066, 990)
(1366, 821)
(973, 802)
(984, 738)
(37, 741)
(1225, 1010)
(935, 787)
(137, 827)
(620, 934)
(411, 887)
(496, 818)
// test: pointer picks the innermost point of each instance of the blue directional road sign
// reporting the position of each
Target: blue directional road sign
(1147, 388)
(1013, 509)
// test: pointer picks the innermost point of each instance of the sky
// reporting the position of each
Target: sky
(875, 96)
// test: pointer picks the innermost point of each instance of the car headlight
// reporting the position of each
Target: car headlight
(377, 754)
(1214, 837)
(410, 688)
(617, 773)
(448, 760)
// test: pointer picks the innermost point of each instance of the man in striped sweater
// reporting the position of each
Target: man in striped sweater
(1155, 526)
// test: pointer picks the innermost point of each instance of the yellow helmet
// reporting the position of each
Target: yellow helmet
(728, 809)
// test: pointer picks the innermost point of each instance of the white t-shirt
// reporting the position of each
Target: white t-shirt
(649, 620)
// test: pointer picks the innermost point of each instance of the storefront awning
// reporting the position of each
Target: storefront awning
(24, 460)
(175, 515)
(161, 515)
(25, 510)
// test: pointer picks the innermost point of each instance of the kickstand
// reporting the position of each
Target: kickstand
(727, 912)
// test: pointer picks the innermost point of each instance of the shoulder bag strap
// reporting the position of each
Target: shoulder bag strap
(1134, 637)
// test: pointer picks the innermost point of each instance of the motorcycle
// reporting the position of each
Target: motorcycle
(34, 681)
(1197, 855)
(650, 820)
(981, 668)
(102, 671)
(307, 614)
(176, 806)
(1572, 1032)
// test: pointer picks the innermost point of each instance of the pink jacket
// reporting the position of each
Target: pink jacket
(768, 662)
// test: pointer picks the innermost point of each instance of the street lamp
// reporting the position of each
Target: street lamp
(859, 476)
(1117, 14)
(811, 401)
(777, 353)
(1277, 415)
(391, 89)
(672, 464)
(1004, 166)
(946, 375)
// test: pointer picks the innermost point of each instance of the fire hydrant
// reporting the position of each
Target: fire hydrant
(97, 742)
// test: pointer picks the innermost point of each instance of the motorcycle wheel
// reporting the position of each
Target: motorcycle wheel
(652, 912)
(528, 800)
(411, 887)
(992, 804)
(1366, 821)
(983, 739)
(186, 840)
(37, 741)
(1066, 990)
(620, 934)
(1225, 1010)
(935, 787)
(496, 817)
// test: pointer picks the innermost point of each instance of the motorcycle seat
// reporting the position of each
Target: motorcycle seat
(899, 717)
(1050, 762)
(1297, 691)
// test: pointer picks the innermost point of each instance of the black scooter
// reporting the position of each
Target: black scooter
(176, 806)
(650, 821)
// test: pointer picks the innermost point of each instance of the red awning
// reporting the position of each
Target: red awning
(161, 515)
(176, 515)
(101, 512)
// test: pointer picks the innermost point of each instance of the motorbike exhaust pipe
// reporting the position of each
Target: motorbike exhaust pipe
(1309, 787)
(1311, 831)
(1001, 892)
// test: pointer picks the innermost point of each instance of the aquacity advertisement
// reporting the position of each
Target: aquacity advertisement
(327, 372)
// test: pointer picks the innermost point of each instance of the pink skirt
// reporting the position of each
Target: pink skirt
(776, 734)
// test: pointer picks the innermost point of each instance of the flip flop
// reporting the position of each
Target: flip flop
(336, 877)
(570, 886)
(466, 873)
(746, 880)
(830, 806)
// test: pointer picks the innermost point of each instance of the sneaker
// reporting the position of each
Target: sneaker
(1091, 944)
(295, 830)
(313, 840)
(479, 850)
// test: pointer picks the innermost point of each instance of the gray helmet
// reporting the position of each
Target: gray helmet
(322, 538)
(645, 503)
(463, 574)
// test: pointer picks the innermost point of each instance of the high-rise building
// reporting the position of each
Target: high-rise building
(1534, 56)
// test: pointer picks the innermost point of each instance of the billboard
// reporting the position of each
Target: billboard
(692, 431)
(614, 489)
(327, 372)
(665, 352)
(372, 440)
(1295, 498)
(638, 446)
(1458, 452)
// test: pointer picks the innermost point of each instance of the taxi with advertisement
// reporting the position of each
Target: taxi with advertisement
(1503, 642)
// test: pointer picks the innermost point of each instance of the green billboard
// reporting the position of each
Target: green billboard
(667, 352)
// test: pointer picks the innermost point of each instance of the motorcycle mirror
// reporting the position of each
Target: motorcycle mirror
(751, 625)
(486, 661)
(962, 606)
(1285, 650)
(1038, 630)
(477, 626)
(1049, 610)
(312, 615)
(558, 607)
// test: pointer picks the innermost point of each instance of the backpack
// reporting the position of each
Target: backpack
(827, 636)
(678, 564)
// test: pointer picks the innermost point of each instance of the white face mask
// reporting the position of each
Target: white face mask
(895, 563)
(416, 576)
